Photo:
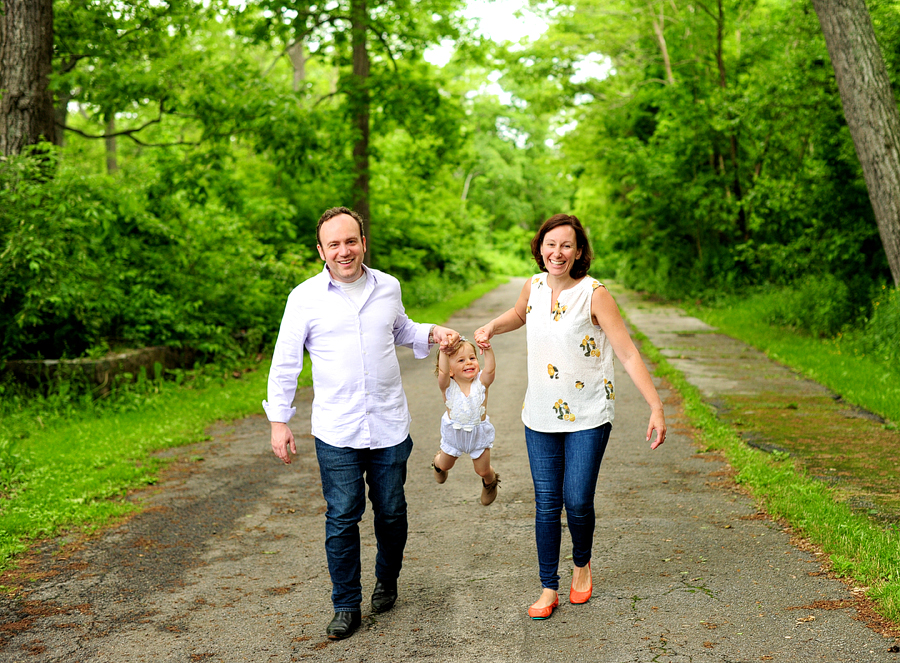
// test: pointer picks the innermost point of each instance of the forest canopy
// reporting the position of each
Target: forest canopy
(196, 145)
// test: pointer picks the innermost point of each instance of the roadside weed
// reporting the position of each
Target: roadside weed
(840, 362)
(857, 547)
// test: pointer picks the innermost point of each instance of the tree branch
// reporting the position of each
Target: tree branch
(300, 37)
(327, 96)
(704, 8)
(129, 133)
(380, 34)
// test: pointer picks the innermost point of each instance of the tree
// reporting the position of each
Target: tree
(370, 44)
(359, 104)
(126, 62)
(870, 109)
(26, 51)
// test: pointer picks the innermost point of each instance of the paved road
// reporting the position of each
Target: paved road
(227, 562)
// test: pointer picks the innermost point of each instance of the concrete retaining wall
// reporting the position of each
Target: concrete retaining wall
(99, 374)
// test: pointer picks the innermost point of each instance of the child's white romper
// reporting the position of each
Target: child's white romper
(462, 430)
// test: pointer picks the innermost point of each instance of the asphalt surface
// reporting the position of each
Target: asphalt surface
(227, 561)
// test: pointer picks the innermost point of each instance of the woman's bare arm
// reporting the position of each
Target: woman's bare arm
(509, 321)
(606, 314)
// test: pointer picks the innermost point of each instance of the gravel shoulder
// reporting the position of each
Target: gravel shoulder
(227, 562)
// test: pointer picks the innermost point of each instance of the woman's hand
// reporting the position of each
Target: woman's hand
(657, 423)
(483, 336)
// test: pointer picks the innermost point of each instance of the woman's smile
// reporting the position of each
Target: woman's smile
(559, 250)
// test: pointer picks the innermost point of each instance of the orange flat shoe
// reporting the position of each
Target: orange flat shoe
(581, 597)
(543, 613)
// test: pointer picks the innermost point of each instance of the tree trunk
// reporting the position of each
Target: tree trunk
(61, 115)
(359, 106)
(659, 28)
(111, 164)
(870, 110)
(298, 62)
(27, 115)
(732, 137)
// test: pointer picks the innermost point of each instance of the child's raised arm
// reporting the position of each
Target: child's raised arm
(443, 372)
(490, 367)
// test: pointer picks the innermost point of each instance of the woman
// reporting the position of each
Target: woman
(574, 326)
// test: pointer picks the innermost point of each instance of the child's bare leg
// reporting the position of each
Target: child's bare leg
(444, 461)
(483, 466)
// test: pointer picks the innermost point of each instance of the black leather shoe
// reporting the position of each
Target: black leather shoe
(343, 625)
(385, 595)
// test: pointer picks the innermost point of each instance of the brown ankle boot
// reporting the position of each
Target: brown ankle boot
(489, 490)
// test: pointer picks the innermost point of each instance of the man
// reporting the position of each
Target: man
(349, 318)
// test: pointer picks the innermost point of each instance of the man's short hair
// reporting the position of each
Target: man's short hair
(337, 211)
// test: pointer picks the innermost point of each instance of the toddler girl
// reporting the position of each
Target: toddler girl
(465, 426)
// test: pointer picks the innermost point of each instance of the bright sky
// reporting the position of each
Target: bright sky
(497, 20)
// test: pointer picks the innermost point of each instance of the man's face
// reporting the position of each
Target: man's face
(342, 248)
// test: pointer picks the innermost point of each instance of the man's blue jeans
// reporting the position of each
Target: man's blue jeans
(344, 473)
(564, 468)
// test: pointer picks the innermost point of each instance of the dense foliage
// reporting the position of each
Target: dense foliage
(192, 223)
(712, 157)
(715, 155)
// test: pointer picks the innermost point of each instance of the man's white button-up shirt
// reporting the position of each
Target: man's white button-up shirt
(358, 397)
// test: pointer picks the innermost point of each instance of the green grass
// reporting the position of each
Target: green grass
(68, 462)
(75, 470)
(834, 363)
(857, 547)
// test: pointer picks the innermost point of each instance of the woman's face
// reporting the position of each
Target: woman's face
(559, 250)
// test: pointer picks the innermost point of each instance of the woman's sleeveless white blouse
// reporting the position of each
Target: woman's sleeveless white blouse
(570, 361)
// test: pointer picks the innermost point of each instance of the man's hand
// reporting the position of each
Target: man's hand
(282, 440)
(445, 337)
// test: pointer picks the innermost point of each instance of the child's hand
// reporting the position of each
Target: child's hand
(483, 338)
(445, 337)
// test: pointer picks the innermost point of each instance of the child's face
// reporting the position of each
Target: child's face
(464, 364)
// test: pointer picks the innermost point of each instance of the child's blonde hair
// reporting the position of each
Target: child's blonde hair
(462, 341)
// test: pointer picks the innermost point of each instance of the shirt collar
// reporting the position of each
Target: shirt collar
(329, 282)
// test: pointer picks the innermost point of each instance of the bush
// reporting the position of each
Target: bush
(817, 305)
(881, 336)
(91, 262)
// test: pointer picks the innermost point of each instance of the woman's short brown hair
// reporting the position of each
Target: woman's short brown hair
(581, 266)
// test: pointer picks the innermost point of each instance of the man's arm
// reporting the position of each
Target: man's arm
(420, 337)
(287, 363)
